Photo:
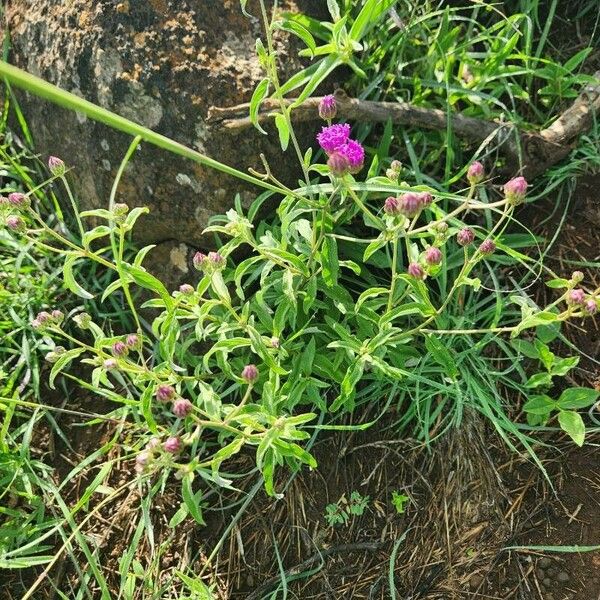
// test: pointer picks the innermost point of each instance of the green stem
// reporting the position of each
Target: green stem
(73, 205)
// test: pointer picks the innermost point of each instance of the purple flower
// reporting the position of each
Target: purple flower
(354, 153)
(15, 223)
(426, 199)
(433, 256)
(465, 236)
(186, 288)
(591, 307)
(328, 107)
(250, 373)
(475, 173)
(410, 204)
(338, 164)
(119, 349)
(165, 392)
(391, 206)
(199, 260)
(182, 408)
(487, 247)
(172, 445)
(576, 296)
(56, 166)
(17, 199)
(515, 190)
(333, 136)
(415, 270)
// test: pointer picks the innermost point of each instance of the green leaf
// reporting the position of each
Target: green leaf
(372, 248)
(563, 365)
(334, 10)
(192, 501)
(557, 283)
(546, 356)
(539, 405)
(69, 279)
(94, 234)
(526, 348)
(369, 16)
(243, 7)
(548, 333)
(572, 423)
(301, 31)
(219, 287)
(539, 380)
(329, 261)
(260, 93)
(348, 387)
(577, 397)
(63, 360)
(283, 130)
(133, 216)
(442, 355)
(149, 282)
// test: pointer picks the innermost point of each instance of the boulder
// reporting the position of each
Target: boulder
(163, 64)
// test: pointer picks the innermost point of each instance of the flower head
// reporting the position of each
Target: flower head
(182, 408)
(56, 166)
(433, 256)
(110, 363)
(415, 270)
(576, 296)
(186, 288)
(465, 236)
(199, 260)
(15, 223)
(475, 173)
(410, 204)
(426, 199)
(132, 340)
(391, 206)
(82, 320)
(275, 342)
(120, 348)
(172, 445)
(591, 307)
(250, 373)
(354, 154)
(328, 107)
(333, 136)
(577, 276)
(165, 392)
(17, 199)
(487, 247)
(338, 164)
(393, 172)
(153, 444)
(515, 190)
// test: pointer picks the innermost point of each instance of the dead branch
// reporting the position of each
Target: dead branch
(530, 153)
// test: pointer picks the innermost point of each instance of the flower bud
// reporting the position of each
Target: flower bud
(465, 236)
(391, 206)
(153, 444)
(441, 227)
(338, 164)
(57, 316)
(172, 445)
(15, 223)
(119, 349)
(328, 107)
(433, 256)
(415, 270)
(120, 209)
(410, 204)
(18, 200)
(216, 261)
(577, 277)
(110, 363)
(132, 341)
(42, 320)
(426, 199)
(143, 458)
(186, 288)
(55, 354)
(56, 166)
(165, 392)
(487, 247)
(250, 373)
(475, 173)
(199, 260)
(182, 408)
(515, 190)
(82, 320)
(576, 296)
(591, 308)
(274, 342)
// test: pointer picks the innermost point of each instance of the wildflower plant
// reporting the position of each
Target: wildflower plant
(353, 285)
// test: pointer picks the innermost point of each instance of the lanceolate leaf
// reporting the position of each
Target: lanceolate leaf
(260, 93)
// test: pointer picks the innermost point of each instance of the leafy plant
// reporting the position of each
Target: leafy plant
(341, 512)
(399, 501)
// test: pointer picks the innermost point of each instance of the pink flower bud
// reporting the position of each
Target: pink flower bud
(57, 316)
(426, 199)
(577, 277)
(132, 340)
(165, 392)
(576, 296)
(216, 261)
(487, 247)
(110, 363)
(515, 190)
(56, 166)
(250, 373)
(172, 445)
(415, 270)
(391, 206)
(465, 236)
(119, 349)
(591, 307)
(186, 288)
(354, 153)
(153, 444)
(182, 408)
(199, 260)
(15, 223)
(18, 200)
(338, 164)
(433, 256)
(328, 107)
(274, 342)
(475, 173)
(143, 458)
(410, 204)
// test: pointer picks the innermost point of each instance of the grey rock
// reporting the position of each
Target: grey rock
(563, 577)
(544, 562)
(163, 64)
(547, 583)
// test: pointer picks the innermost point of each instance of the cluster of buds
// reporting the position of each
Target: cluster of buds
(17, 200)
(120, 210)
(56, 166)
(55, 354)
(209, 263)
(408, 205)
(82, 320)
(122, 348)
(345, 155)
(428, 262)
(577, 298)
(328, 107)
(180, 406)
(45, 319)
(465, 236)
(146, 457)
(394, 171)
